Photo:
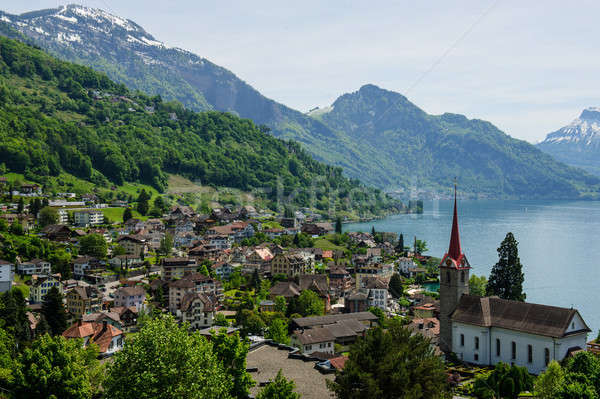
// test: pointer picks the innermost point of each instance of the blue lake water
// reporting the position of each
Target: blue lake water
(559, 244)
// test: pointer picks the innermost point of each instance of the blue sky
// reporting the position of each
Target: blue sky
(528, 67)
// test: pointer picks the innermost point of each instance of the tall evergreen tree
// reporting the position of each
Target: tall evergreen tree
(373, 231)
(338, 225)
(400, 245)
(395, 286)
(54, 311)
(506, 278)
(20, 206)
(127, 214)
(255, 281)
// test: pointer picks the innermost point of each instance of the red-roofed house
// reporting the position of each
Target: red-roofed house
(108, 338)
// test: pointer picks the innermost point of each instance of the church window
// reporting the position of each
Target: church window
(497, 347)
(476, 342)
(514, 350)
(462, 277)
(546, 356)
(462, 339)
(476, 357)
(529, 354)
(448, 277)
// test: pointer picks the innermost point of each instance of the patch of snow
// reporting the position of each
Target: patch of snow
(40, 30)
(132, 39)
(102, 16)
(5, 19)
(68, 37)
(320, 111)
(150, 42)
(72, 20)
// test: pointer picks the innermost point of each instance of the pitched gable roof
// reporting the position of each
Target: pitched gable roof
(551, 321)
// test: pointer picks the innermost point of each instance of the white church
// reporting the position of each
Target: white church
(488, 330)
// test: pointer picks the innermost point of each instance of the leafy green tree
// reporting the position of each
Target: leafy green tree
(13, 314)
(166, 244)
(127, 214)
(278, 331)
(118, 250)
(16, 228)
(142, 202)
(549, 384)
(338, 225)
(477, 285)
(8, 359)
(61, 262)
(280, 304)
(167, 362)
(220, 320)
(421, 246)
(54, 311)
(309, 304)
(279, 388)
(391, 363)
(232, 352)
(48, 216)
(504, 382)
(395, 286)
(93, 245)
(506, 278)
(249, 322)
(381, 319)
(55, 367)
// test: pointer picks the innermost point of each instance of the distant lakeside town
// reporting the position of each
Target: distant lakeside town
(297, 290)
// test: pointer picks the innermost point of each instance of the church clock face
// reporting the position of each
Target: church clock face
(448, 262)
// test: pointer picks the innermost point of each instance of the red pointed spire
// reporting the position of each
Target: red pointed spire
(454, 250)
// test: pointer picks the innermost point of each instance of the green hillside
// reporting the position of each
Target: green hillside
(430, 151)
(58, 117)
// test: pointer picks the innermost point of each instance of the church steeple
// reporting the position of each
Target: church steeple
(455, 257)
(454, 250)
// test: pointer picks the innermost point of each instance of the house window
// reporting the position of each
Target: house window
(546, 356)
(476, 357)
(513, 350)
(529, 353)
(497, 347)
(476, 343)
(462, 277)
(462, 339)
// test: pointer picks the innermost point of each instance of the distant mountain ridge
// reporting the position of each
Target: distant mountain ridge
(431, 150)
(578, 143)
(375, 135)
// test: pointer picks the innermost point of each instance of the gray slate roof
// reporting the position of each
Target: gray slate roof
(550, 321)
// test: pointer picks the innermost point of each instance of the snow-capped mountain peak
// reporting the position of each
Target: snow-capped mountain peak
(583, 131)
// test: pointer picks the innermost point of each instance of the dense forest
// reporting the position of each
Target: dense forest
(60, 117)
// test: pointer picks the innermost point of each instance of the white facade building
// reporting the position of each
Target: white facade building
(7, 275)
(34, 266)
(488, 330)
(88, 217)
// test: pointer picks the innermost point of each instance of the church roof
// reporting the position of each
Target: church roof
(531, 318)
